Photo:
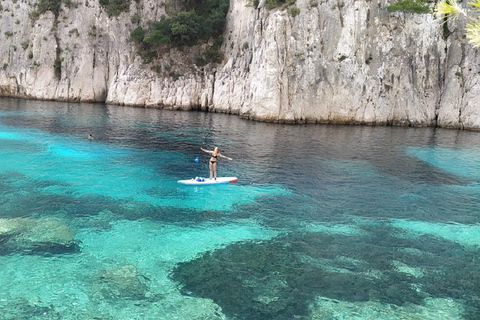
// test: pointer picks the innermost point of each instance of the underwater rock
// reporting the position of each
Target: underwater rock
(12, 226)
(445, 309)
(49, 231)
(100, 222)
(36, 236)
(20, 308)
(271, 280)
(121, 282)
(282, 277)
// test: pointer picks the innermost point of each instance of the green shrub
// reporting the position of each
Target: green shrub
(200, 61)
(204, 19)
(49, 5)
(138, 34)
(68, 3)
(30, 55)
(25, 45)
(8, 34)
(272, 4)
(293, 11)
(212, 54)
(55, 6)
(185, 28)
(148, 55)
(410, 6)
(174, 75)
(34, 15)
(135, 18)
(74, 31)
(115, 7)
(158, 35)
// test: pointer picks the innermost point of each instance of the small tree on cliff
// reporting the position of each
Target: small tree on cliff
(449, 10)
(55, 6)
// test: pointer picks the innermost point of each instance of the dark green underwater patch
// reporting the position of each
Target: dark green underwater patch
(279, 279)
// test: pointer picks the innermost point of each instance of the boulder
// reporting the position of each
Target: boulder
(36, 236)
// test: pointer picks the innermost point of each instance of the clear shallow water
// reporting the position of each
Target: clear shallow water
(326, 222)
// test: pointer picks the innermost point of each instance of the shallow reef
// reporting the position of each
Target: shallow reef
(21, 309)
(36, 236)
(281, 278)
(120, 282)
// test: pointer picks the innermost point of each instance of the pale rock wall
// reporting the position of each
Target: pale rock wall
(336, 62)
(342, 63)
(460, 100)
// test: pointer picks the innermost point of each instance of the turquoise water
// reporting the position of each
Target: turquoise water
(326, 222)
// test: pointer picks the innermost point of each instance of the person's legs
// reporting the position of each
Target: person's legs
(215, 170)
(211, 169)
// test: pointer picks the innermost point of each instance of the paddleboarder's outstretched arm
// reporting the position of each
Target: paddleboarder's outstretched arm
(222, 156)
(207, 151)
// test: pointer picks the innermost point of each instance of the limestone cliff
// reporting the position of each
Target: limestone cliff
(341, 61)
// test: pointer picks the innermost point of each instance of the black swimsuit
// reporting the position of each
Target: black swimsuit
(215, 159)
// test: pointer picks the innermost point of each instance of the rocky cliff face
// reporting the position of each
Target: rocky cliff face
(339, 61)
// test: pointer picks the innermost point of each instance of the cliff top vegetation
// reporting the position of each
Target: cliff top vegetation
(201, 20)
(410, 6)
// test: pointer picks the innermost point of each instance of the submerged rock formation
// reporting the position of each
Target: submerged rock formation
(286, 277)
(120, 282)
(36, 236)
(334, 62)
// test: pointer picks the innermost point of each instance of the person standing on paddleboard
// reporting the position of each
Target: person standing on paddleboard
(213, 160)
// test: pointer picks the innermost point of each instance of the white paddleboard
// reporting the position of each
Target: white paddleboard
(206, 181)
